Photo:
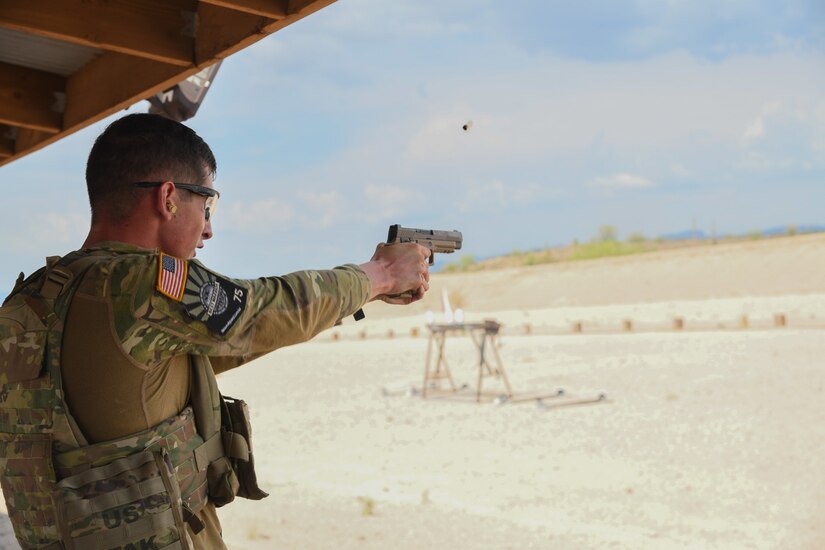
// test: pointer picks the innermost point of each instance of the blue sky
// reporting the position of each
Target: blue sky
(646, 115)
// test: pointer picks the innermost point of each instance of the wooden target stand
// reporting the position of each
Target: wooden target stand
(484, 337)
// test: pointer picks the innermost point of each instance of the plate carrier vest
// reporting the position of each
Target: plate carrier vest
(135, 492)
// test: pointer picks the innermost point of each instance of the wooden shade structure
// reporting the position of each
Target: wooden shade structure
(65, 64)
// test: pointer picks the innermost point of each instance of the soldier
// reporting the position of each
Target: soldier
(112, 431)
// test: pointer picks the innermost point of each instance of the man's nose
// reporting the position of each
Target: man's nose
(207, 230)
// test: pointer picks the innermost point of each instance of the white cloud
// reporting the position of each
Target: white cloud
(559, 108)
(619, 181)
(326, 207)
(496, 195)
(680, 170)
(65, 229)
(387, 201)
(755, 131)
(259, 216)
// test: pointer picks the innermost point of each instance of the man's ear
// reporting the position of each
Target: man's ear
(166, 200)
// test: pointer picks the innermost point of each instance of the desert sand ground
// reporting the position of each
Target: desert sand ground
(710, 436)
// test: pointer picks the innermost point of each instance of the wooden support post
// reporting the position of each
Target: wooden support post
(427, 366)
(500, 366)
(442, 369)
(743, 321)
(577, 327)
(628, 325)
(780, 320)
(678, 323)
(487, 344)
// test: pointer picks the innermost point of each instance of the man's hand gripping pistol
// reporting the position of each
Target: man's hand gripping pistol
(434, 239)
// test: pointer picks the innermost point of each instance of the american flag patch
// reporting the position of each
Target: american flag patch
(172, 276)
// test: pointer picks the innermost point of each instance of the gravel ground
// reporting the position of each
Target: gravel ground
(707, 440)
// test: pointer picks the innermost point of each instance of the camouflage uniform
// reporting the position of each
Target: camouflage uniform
(139, 329)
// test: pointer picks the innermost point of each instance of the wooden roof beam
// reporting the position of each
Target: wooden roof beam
(6, 141)
(271, 9)
(222, 32)
(106, 85)
(300, 6)
(31, 99)
(161, 30)
(28, 139)
(112, 82)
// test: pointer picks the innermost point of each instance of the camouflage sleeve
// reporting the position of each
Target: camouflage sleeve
(234, 319)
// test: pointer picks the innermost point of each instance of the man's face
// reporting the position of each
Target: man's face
(190, 228)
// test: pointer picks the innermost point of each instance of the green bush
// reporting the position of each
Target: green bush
(466, 261)
(637, 238)
(594, 250)
(607, 233)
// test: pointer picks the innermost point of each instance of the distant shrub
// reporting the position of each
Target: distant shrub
(594, 250)
(607, 233)
(637, 237)
(467, 262)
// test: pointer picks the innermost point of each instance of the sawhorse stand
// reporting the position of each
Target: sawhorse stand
(484, 337)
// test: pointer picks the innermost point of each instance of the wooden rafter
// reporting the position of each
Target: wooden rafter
(6, 142)
(161, 30)
(105, 86)
(222, 32)
(113, 82)
(271, 9)
(30, 98)
(29, 139)
(149, 46)
(306, 7)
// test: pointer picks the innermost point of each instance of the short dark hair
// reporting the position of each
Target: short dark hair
(141, 147)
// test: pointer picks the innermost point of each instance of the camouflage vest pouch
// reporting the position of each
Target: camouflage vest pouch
(26, 418)
(131, 502)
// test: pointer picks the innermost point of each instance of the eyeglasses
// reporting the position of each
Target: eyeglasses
(211, 195)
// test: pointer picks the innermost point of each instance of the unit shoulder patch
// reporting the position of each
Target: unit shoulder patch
(172, 275)
(213, 300)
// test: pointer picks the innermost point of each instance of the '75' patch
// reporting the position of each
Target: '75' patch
(209, 298)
